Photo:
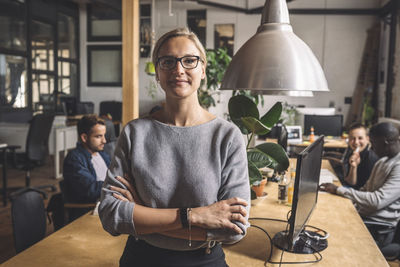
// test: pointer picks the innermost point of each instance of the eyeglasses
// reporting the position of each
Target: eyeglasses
(168, 62)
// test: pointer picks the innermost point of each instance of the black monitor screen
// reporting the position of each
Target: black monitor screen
(323, 124)
(305, 193)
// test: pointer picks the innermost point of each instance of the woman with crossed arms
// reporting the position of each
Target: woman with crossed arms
(178, 183)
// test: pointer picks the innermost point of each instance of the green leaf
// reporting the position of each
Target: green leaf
(272, 116)
(254, 174)
(255, 126)
(241, 126)
(276, 154)
(259, 159)
(240, 106)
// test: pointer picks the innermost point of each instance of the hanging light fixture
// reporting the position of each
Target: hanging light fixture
(275, 61)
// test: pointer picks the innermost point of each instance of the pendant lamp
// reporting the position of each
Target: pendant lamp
(275, 61)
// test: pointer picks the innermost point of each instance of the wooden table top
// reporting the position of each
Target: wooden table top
(85, 243)
(329, 143)
(349, 242)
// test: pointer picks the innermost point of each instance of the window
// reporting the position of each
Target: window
(13, 25)
(38, 67)
(14, 91)
(197, 23)
(145, 30)
(13, 81)
(67, 55)
(42, 46)
(67, 37)
(105, 65)
(104, 21)
(223, 37)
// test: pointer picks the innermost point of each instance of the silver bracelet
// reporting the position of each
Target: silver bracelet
(189, 212)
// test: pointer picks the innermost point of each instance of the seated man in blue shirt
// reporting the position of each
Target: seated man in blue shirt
(85, 166)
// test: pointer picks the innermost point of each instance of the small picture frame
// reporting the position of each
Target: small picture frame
(294, 134)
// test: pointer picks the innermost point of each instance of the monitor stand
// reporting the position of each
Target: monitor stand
(303, 245)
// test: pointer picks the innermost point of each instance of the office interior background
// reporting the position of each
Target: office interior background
(54, 52)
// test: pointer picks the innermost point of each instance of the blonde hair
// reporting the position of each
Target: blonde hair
(179, 32)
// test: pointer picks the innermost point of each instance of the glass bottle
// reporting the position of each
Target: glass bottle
(291, 187)
(312, 136)
(282, 189)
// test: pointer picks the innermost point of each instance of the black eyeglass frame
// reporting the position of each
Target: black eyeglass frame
(180, 60)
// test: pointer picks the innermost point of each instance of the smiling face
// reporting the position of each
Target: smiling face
(178, 82)
(358, 138)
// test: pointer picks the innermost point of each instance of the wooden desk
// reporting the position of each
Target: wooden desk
(81, 243)
(349, 243)
(85, 243)
(329, 143)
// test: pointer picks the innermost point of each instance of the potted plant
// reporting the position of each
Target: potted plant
(152, 86)
(217, 62)
(244, 113)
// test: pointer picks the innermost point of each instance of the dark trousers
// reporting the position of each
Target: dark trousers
(138, 253)
(383, 235)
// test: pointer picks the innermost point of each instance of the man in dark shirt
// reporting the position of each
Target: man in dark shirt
(85, 166)
(359, 159)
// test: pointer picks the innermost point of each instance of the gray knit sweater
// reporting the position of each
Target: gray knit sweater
(379, 198)
(174, 167)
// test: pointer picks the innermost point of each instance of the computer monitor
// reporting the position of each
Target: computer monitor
(323, 124)
(305, 195)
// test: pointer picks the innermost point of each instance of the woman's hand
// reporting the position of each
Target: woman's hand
(355, 159)
(128, 194)
(220, 215)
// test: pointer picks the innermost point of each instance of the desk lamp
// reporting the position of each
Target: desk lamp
(275, 61)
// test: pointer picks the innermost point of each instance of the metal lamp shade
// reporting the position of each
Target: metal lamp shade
(275, 61)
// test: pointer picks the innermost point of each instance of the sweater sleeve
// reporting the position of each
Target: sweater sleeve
(235, 183)
(116, 215)
(378, 199)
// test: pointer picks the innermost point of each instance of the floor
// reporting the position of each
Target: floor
(16, 178)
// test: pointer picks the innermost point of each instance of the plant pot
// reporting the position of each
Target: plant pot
(259, 189)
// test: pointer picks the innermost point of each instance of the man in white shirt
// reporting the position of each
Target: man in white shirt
(85, 166)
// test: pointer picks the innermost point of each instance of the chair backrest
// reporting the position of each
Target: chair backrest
(28, 219)
(85, 108)
(38, 137)
(110, 131)
(283, 137)
(324, 124)
(114, 108)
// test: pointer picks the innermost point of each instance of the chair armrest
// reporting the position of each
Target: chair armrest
(79, 205)
(333, 154)
(367, 222)
(336, 160)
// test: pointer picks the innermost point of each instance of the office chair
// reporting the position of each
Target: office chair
(73, 210)
(390, 251)
(28, 218)
(36, 150)
(84, 107)
(328, 125)
(114, 108)
(111, 138)
(283, 136)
